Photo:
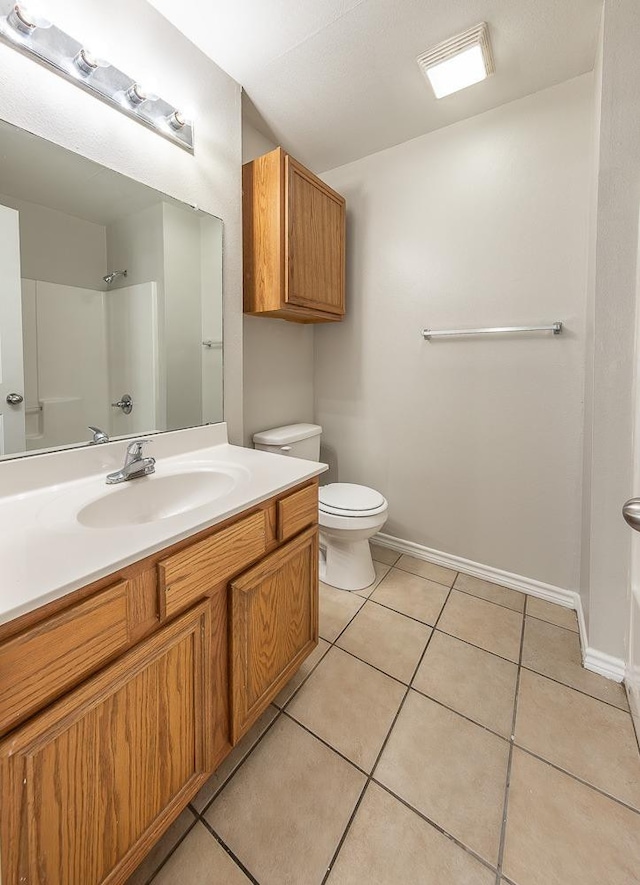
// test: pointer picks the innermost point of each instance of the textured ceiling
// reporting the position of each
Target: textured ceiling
(335, 80)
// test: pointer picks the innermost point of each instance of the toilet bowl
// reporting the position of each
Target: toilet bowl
(348, 514)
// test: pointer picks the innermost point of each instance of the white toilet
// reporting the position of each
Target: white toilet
(348, 514)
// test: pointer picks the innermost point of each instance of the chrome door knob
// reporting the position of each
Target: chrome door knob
(631, 513)
(14, 399)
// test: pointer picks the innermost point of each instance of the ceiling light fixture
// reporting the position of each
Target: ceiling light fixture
(38, 39)
(458, 62)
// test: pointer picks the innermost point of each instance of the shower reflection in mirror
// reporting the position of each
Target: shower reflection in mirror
(108, 288)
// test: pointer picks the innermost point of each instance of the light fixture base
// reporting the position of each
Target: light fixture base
(63, 54)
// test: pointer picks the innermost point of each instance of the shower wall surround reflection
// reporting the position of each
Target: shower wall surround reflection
(89, 332)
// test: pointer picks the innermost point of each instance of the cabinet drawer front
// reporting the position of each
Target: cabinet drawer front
(186, 576)
(297, 511)
(42, 662)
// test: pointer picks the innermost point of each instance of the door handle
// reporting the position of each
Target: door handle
(631, 513)
(14, 399)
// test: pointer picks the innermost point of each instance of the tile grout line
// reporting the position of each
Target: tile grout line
(435, 825)
(325, 743)
(466, 592)
(202, 813)
(461, 715)
(559, 626)
(577, 778)
(492, 601)
(373, 666)
(479, 647)
(417, 575)
(174, 848)
(573, 688)
(231, 854)
(505, 807)
(404, 614)
(484, 598)
(382, 748)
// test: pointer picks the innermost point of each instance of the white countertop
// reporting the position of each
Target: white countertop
(45, 552)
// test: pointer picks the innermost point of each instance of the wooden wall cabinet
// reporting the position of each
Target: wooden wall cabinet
(123, 698)
(293, 242)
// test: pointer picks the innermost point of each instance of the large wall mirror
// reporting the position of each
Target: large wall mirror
(110, 302)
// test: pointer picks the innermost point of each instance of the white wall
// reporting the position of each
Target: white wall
(585, 547)
(610, 412)
(278, 355)
(137, 39)
(477, 444)
(59, 248)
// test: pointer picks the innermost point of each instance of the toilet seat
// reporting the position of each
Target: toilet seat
(350, 500)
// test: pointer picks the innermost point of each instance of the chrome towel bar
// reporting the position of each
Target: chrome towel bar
(428, 334)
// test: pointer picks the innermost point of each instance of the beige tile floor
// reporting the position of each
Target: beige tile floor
(442, 733)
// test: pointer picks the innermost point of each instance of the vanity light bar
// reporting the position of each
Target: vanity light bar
(39, 39)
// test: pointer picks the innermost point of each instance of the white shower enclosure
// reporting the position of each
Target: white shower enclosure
(84, 349)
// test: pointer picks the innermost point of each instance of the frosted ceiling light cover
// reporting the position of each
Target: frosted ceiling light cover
(459, 62)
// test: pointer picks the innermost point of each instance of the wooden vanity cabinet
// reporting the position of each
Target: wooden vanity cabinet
(293, 242)
(181, 653)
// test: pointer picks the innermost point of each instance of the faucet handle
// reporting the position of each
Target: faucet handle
(99, 436)
(136, 446)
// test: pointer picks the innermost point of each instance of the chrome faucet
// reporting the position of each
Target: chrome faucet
(134, 464)
(99, 436)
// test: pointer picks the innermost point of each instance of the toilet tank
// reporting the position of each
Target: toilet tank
(295, 440)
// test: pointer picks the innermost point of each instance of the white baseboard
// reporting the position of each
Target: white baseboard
(548, 592)
(594, 660)
(604, 664)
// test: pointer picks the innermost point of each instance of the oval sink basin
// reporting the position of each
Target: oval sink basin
(156, 497)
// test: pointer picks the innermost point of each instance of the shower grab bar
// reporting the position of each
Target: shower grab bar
(428, 334)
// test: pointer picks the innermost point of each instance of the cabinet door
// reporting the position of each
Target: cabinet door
(274, 626)
(315, 240)
(89, 784)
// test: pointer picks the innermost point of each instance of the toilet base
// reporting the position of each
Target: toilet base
(346, 565)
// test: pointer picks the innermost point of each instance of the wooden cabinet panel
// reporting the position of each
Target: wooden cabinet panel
(90, 783)
(297, 511)
(315, 242)
(293, 242)
(274, 626)
(186, 576)
(39, 664)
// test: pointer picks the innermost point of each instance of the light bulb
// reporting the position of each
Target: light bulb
(136, 95)
(176, 120)
(86, 62)
(25, 22)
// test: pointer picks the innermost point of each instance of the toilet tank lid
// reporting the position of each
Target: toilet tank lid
(283, 436)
